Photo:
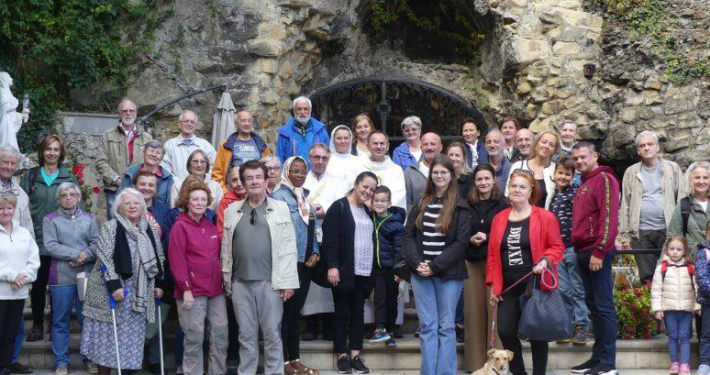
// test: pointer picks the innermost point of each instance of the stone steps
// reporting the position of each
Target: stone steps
(636, 354)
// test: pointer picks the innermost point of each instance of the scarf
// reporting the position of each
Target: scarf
(304, 208)
(148, 261)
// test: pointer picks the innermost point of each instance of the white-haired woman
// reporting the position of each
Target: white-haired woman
(19, 262)
(698, 177)
(131, 257)
(409, 152)
(71, 237)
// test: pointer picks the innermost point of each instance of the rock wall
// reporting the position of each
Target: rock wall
(270, 51)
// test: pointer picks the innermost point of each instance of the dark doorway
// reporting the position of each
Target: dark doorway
(388, 100)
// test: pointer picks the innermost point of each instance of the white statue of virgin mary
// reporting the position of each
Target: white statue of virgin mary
(10, 120)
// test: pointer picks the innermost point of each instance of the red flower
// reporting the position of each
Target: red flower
(80, 175)
(81, 182)
(96, 190)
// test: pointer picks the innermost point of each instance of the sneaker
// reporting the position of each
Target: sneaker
(91, 368)
(580, 336)
(565, 341)
(391, 343)
(19, 368)
(344, 366)
(36, 334)
(703, 370)
(417, 332)
(380, 335)
(675, 367)
(359, 365)
(584, 367)
(684, 369)
(61, 370)
(602, 369)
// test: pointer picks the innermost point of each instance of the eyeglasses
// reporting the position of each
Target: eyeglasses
(252, 219)
(297, 173)
(198, 162)
(191, 122)
(526, 171)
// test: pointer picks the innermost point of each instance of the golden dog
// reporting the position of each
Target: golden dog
(497, 363)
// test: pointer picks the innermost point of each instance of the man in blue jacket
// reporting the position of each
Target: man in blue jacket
(298, 135)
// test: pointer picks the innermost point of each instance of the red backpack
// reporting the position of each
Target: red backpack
(691, 271)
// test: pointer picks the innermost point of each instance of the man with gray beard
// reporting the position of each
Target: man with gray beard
(300, 133)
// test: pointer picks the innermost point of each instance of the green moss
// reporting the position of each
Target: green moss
(53, 46)
(651, 18)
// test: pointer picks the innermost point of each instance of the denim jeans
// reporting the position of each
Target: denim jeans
(679, 327)
(436, 308)
(598, 289)
(705, 336)
(571, 286)
(64, 299)
(460, 317)
(19, 339)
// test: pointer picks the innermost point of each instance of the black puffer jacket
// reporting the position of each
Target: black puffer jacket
(449, 265)
(482, 214)
(389, 236)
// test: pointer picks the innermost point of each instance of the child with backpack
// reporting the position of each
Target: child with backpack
(673, 300)
(702, 279)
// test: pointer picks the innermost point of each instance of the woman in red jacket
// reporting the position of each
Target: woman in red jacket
(523, 238)
(194, 256)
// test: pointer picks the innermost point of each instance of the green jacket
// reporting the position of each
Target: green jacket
(697, 221)
(43, 198)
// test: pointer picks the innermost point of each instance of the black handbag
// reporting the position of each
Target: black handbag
(546, 316)
(400, 267)
(319, 274)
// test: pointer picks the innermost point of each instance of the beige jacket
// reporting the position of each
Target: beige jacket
(632, 194)
(112, 160)
(675, 291)
(284, 254)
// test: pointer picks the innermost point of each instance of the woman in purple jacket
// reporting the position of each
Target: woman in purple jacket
(194, 257)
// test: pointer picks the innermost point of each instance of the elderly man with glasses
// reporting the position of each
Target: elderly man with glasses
(178, 149)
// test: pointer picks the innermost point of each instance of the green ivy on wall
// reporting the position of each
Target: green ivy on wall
(651, 18)
(50, 47)
(467, 37)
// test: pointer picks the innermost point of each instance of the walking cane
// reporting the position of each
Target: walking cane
(158, 304)
(112, 304)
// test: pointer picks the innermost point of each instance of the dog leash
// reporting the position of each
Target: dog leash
(506, 290)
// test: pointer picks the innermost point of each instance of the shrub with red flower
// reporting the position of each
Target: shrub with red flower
(633, 310)
(86, 190)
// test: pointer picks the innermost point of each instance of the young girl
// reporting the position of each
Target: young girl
(673, 299)
(702, 279)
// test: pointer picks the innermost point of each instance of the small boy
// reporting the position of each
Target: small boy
(570, 282)
(389, 227)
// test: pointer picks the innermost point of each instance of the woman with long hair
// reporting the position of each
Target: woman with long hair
(457, 153)
(349, 256)
(523, 238)
(435, 241)
(486, 200)
(544, 147)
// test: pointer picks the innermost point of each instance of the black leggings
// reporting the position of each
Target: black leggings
(10, 314)
(290, 334)
(38, 294)
(508, 316)
(350, 314)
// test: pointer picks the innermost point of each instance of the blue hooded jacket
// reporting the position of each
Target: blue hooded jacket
(292, 143)
(390, 234)
(403, 157)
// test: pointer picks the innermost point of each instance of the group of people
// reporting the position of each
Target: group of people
(328, 220)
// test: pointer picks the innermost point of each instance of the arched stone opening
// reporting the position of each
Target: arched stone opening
(390, 99)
